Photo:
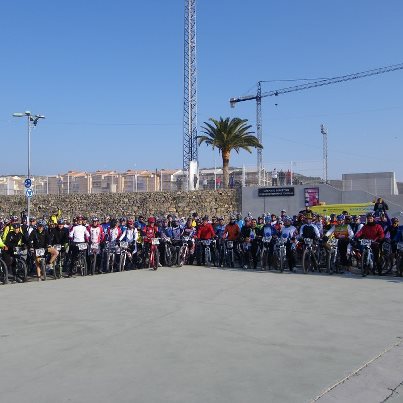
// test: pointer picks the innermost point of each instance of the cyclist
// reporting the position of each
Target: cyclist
(114, 232)
(239, 221)
(373, 231)
(356, 224)
(9, 227)
(14, 238)
(344, 234)
(232, 231)
(204, 232)
(309, 229)
(78, 234)
(290, 233)
(106, 224)
(251, 235)
(40, 239)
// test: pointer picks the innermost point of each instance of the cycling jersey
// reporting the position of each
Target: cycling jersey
(289, 232)
(205, 231)
(340, 231)
(150, 233)
(114, 234)
(232, 232)
(130, 235)
(96, 234)
(79, 233)
(220, 230)
(372, 232)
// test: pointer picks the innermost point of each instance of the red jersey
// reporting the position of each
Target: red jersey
(150, 232)
(372, 232)
(205, 231)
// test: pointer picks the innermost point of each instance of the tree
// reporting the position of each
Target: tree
(227, 135)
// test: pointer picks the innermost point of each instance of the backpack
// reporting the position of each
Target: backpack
(308, 232)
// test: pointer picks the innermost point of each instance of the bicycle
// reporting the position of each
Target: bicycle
(266, 256)
(80, 264)
(309, 261)
(333, 259)
(280, 254)
(123, 251)
(20, 265)
(367, 258)
(154, 256)
(58, 264)
(399, 259)
(183, 253)
(3, 272)
(93, 252)
(109, 257)
(386, 259)
(229, 253)
(40, 255)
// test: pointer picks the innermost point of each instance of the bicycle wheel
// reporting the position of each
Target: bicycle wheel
(82, 265)
(156, 259)
(385, 264)
(43, 269)
(330, 262)
(57, 269)
(282, 260)
(21, 270)
(122, 261)
(306, 261)
(3, 272)
(207, 257)
(183, 255)
(93, 262)
(364, 265)
(264, 258)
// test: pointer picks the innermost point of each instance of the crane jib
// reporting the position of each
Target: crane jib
(320, 83)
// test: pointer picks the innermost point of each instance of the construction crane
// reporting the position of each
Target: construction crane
(320, 83)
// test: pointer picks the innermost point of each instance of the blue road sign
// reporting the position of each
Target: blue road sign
(28, 183)
(29, 192)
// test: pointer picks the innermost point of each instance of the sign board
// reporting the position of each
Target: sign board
(353, 209)
(27, 183)
(276, 191)
(311, 197)
(29, 192)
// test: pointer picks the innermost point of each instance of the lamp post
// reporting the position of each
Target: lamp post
(32, 121)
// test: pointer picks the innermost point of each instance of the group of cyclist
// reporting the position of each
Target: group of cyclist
(246, 236)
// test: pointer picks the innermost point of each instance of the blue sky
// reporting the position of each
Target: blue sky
(109, 78)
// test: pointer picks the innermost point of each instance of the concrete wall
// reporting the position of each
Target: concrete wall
(251, 202)
(220, 202)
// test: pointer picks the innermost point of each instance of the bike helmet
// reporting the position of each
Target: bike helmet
(205, 218)
(287, 218)
(151, 220)
(32, 219)
(60, 221)
(41, 223)
(113, 222)
(79, 217)
(130, 222)
(16, 225)
(394, 220)
(13, 218)
(267, 219)
(122, 219)
(340, 217)
(370, 214)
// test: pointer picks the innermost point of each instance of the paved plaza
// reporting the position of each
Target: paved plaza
(202, 335)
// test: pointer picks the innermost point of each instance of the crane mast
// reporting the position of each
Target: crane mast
(190, 149)
(320, 83)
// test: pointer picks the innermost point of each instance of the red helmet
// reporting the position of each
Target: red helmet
(130, 222)
(151, 220)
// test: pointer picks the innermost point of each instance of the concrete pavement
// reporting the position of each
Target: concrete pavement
(200, 335)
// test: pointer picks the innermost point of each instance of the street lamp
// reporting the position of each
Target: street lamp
(32, 121)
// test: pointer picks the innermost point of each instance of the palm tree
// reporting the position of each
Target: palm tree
(227, 135)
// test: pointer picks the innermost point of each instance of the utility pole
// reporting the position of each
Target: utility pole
(259, 132)
(190, 87)
(324, 134)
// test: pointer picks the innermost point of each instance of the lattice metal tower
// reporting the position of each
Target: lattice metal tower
(190, 87)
